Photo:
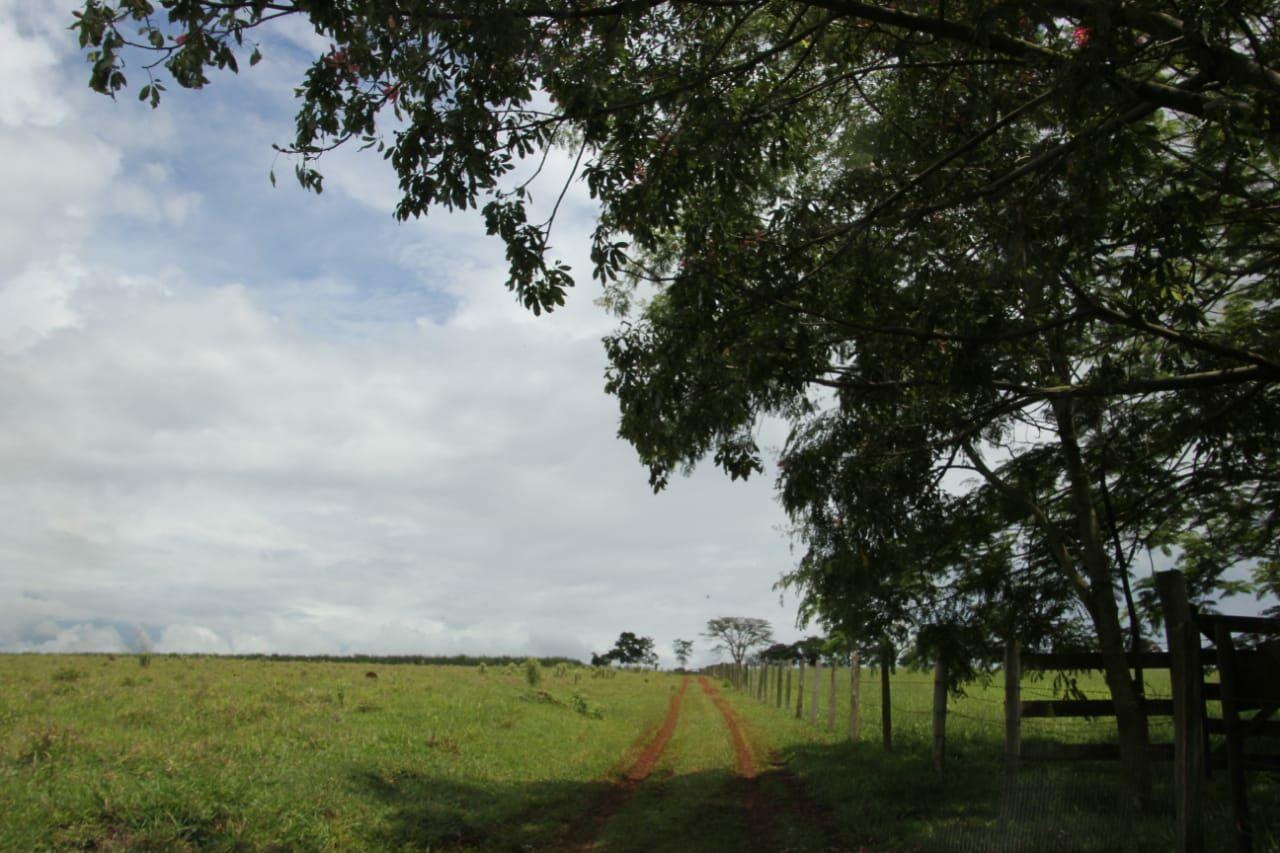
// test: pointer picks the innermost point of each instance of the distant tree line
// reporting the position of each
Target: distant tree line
(421, 660)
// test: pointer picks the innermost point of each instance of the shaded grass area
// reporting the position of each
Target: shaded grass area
(895, 800)
(205, 753)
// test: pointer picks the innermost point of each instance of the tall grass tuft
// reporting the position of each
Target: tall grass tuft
(532, 672)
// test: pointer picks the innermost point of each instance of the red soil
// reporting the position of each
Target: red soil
(583, 835)
(746, 764)
(644, 764)
(764, 813)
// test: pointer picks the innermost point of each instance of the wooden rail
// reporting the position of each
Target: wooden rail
(1249, 682)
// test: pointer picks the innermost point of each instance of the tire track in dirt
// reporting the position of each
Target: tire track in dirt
(762, 812)
(746, 762)
(583, 835)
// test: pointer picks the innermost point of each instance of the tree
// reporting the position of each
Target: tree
(779, 653)
(930, 238)
(738, 635)
(629, 649)
(683, 650)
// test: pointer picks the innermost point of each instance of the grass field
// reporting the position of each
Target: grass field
(223, 753)
(205, 753)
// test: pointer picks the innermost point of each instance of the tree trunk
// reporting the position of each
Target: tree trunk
(1100, 600)
(855, 670)
(886, 707)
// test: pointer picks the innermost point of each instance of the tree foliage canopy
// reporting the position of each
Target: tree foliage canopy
(738, 635)
(683, 650)
(629, 649)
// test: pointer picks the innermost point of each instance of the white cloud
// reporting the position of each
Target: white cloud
(36, 303)
(322, 460)
(28, 63)
(78, 638)
(192, 639)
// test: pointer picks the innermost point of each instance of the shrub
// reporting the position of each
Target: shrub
(68, 674)
(144, 659)
(532, 672)
(482, 669)
(585, 707)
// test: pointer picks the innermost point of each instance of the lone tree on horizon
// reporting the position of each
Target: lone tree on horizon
(629, 649)
(738, 635)
(683, 649)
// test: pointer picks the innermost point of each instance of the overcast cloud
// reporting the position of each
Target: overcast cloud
(238, 419)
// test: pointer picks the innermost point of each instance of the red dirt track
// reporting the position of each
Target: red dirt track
(644, 764)
(746, 764)
(583, 835)
(773, 800)
(763, 812)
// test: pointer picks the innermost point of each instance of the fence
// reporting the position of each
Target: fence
(1248, 680)
(773, 682)
(1248, 683)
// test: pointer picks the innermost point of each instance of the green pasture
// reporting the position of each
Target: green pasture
(201, 752)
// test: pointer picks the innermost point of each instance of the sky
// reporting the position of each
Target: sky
(238, 418)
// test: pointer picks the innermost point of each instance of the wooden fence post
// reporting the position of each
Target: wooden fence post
(817, 687)
(855, 672)
(1186, 678)
(831, 700)
(940, 713)
(778, 679)
(786, 699)
(886, 715)
(1012, 705)
(1228, 672)
(800, 691)
(764, 682)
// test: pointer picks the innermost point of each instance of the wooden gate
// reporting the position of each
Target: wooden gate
(1247, 691)
(1248, 680)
